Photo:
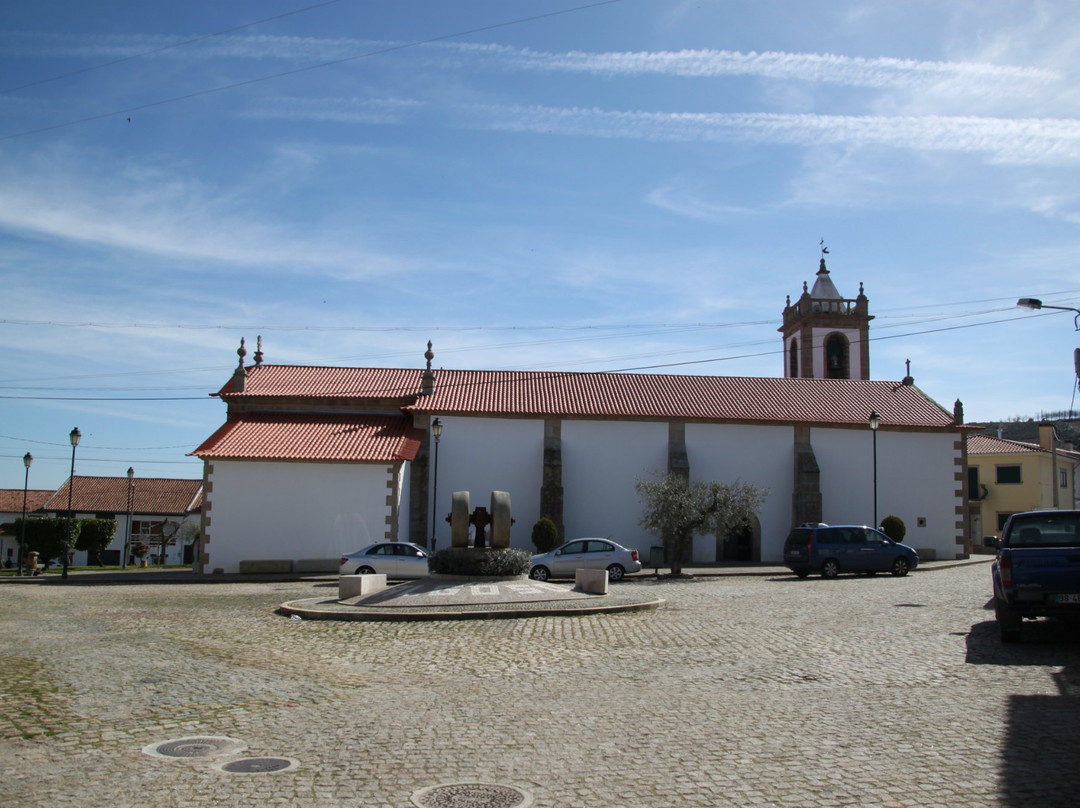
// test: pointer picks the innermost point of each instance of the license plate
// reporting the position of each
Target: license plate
(1071, 597)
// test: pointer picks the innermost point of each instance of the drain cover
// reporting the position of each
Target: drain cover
(471, 795)
(201, 747)
(257, 765)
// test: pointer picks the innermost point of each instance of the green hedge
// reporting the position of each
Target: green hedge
(481, 561)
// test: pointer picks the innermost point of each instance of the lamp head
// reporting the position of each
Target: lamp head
(1032, 303)
(874, 420)
(436, 428)
(131, 473)
(28, 460)
(75, 436)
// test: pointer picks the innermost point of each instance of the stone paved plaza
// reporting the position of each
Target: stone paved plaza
(741, 690)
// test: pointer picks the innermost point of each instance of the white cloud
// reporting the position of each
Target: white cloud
(829, 68)
(1029, 141)
(676, 197)
(381, 111)
(150, 211)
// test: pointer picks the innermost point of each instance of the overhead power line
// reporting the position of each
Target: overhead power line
(296, 71)
(636, 369)
(163, 48)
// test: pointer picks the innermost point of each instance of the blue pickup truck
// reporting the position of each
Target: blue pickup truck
(1037, 569)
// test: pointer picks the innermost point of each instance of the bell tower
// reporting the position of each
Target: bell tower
(826, 336)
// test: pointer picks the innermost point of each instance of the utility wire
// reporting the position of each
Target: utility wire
(163, 48)
(296, 71)
(553, 374)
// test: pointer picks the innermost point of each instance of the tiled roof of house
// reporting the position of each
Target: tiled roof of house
(153, 495)
(606, 395)
(11, 499)
(299, 436)
(978, 444)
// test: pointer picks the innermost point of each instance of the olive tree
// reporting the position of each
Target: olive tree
(676, 509)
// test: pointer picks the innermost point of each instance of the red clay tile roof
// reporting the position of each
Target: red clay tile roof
(606, 395)
(11, 500)
(153, 495)
(990, 445)
(298, 436)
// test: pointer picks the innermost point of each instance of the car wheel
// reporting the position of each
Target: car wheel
(802, 573)
(365, 571)
(615, 572)
(900, 567)
(1008, 621)
(830, 568)
(539, 573)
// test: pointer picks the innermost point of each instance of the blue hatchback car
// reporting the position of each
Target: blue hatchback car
(832, 549)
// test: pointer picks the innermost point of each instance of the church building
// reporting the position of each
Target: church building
(315, 462)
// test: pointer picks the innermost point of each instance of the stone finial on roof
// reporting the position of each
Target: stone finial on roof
(240, 374)
(908, 380)
(258, 352)
(427, 382)
(958, 412)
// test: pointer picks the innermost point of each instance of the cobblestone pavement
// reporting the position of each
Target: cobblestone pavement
(740, 690)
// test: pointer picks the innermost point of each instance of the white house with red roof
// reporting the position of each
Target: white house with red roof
(153, 510)
(314, 462)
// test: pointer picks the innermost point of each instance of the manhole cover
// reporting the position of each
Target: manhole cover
(471, 795)
(257, 765)
(202, 747)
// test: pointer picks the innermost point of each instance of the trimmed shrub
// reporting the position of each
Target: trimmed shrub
(893, 527)
(545, 535)
(46, 537)
(494, 562)
(95, 535)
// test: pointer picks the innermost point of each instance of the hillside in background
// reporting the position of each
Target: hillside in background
(1065, 422)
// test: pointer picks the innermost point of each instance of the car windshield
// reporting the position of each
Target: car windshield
(1052, 529)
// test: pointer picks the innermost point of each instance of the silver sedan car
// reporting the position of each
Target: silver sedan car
(395, 559)
(585, 554)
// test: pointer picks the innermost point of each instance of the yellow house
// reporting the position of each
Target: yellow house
(1009, 476)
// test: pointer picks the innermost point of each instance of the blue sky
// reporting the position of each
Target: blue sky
(533, 185)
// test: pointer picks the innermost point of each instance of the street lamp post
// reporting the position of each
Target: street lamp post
(75, 435)
(436, 432)
(28, 461)
(1034, 304)
(131, 505)
(875, 422)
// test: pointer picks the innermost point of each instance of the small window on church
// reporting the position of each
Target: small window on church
(793, 350)
(836, 357)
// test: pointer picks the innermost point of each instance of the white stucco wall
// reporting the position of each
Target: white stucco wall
(481, 455)
(916, 478)
(293, 510)
(601, 461)
(760, 455)
(174, 553)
